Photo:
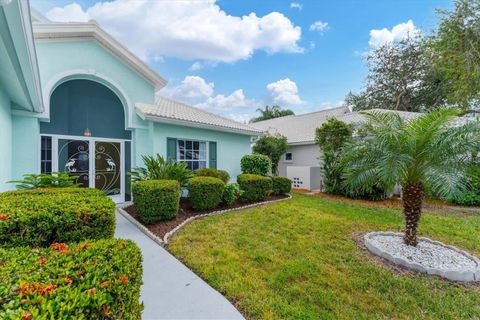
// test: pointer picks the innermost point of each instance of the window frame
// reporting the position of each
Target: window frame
(199, 160)
(285, 157)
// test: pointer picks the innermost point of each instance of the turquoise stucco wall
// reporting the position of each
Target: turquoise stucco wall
(230, 147)
(26, 141)
(5, 141)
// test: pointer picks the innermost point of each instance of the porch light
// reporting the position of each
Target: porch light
(87, 133)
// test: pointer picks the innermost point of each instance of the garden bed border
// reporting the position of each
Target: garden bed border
(464, 275)
(168, 235)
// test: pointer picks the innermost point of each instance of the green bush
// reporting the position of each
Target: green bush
(281, 185)
(53, 180)
(156, 200)
(89, 280)
(471, 197)
(231, 193)
(211, 172)
(254, 187)
(205, 193)
(256, 164)
(41, 217)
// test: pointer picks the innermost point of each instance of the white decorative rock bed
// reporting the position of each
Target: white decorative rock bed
(431, 257)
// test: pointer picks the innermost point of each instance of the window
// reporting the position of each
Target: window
(288, 156)
(194, 153)
(46, 155)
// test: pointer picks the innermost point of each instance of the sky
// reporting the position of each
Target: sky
(231, 57)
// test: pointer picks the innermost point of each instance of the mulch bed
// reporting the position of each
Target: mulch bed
(161, 228)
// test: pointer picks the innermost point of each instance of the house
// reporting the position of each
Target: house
(73, 99)
(302, 161)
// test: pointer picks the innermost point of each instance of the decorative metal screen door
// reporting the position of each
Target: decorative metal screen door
(108, 168)
(74, 158)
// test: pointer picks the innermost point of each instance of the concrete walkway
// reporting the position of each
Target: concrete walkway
(170, 290)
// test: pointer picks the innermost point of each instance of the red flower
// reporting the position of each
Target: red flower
(3, 217)
(27, 315)
(91, 291)
(42, 261)
(47, 289)
(68, 280)
(58, 246)
(124, 279)
(65, 250)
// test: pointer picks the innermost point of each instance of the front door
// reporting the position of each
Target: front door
(96, 163)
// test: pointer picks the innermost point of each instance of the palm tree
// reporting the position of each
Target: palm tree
(430, 153)
(272, 112)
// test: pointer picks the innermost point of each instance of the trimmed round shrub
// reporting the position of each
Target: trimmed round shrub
(156, 200)
(231, 193)
(205, 193)
(211, 172)
(41, 217)
(256, 164)
(281, 185)
(254, 187)
(87, 280)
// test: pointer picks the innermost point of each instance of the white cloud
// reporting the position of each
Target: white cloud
(296, 5)
(398, 33)
(191, 88)
(192, 30)
(221, 102)
(284, 93)
(240, 117)
(319, 26)
(196, 66)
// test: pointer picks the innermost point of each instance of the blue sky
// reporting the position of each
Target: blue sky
(230, 57)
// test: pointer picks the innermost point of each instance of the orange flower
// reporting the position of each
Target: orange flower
(58, 246)
(65, 250)
(47, 289)
(124, 279)
(42, 261)
(24, 288)
(27, 315)
(3, 217)
(68, 280)
(105, 310)
(104, 284)
(91, 291)
(23, 301)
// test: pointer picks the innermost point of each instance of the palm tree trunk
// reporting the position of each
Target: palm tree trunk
(413, 196)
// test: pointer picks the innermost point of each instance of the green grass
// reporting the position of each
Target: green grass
(297, 259)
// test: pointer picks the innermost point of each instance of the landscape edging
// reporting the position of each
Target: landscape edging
(465, 275)
(169, 234)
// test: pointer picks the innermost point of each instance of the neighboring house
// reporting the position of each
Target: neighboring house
(74, 99)
(302, 161)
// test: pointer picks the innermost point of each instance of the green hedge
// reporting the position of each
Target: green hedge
(89, 280)
(41, 217)
(231, 193)
(205, 193)
(211, 172)
(281, 185)
(156, 200)
(254, 187)
(256, 164)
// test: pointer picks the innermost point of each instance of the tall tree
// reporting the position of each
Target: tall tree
(400, 77)
(427, 153)
(272, 112)
(456, 47)
(273, 146)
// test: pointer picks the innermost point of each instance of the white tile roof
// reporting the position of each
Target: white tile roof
(171, 111)
(300, 129)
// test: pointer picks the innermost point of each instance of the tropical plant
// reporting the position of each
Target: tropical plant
(53, 180)
(272, 112)
(273, 146)
(429, 152)
(331, 137)
(157, 168)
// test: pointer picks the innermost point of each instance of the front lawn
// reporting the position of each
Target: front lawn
(298, 259)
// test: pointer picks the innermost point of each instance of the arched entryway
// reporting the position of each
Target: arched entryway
(86, 137)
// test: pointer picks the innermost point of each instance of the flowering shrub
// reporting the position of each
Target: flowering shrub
(41, 217)
(89, 280)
